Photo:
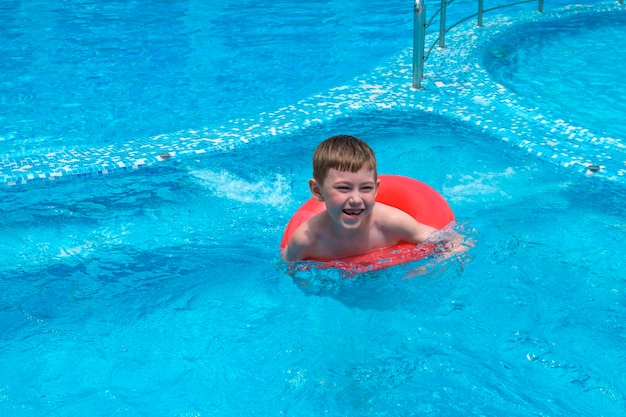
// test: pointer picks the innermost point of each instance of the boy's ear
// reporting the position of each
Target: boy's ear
(315, 190)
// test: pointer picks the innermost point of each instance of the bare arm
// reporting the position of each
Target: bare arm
(296, 248)
(403, 226)
(447, 239)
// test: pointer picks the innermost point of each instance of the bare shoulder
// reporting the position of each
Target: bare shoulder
(387, 214)
(304, 238)
(298, 244)
(397, 222)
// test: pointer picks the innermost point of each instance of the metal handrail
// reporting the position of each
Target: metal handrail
(419, 29)
(420, 24)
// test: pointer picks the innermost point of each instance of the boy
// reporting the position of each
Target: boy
(345, 179)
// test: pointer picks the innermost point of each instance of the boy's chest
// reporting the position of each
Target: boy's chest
(355, 244)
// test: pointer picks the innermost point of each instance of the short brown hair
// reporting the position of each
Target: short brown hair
(343, 153)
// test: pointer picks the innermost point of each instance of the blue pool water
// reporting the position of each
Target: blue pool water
(81, 72)
(159, 291)
(550, 66)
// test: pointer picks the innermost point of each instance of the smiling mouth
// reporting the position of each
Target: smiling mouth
(353, 212)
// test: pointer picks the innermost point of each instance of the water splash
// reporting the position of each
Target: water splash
(274, 192)
(477, 186)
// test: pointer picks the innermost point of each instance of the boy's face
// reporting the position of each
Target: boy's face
(349, 196)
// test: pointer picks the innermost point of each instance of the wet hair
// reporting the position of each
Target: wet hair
(343, 153)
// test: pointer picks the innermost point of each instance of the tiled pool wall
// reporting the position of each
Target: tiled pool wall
(455, 85)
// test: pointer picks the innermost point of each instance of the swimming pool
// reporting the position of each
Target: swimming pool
(159, 291)
(80, 73)
(561, 82)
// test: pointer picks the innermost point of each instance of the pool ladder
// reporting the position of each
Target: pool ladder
(420, 53)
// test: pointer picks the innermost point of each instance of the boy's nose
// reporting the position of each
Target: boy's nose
(355, 198)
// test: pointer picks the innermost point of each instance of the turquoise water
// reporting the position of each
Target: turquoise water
(556, 68)
(160, 291)
(80, 73)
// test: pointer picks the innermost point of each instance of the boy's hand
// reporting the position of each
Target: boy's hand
(450, 241)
